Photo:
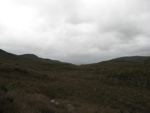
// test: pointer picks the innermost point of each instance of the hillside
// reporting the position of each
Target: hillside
(29, 84)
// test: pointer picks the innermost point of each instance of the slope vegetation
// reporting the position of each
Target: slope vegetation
(29, 84)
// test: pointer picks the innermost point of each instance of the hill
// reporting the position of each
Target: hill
(30, 84)
(140, 59)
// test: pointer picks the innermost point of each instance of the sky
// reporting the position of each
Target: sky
(76, 31)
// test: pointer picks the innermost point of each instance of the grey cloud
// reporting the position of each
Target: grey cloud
(127, 30)
(81, 31)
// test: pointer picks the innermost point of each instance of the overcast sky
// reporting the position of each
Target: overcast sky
(77, 31)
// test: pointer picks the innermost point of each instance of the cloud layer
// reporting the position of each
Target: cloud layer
(77, 31)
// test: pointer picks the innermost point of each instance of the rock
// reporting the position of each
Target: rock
(54, 102)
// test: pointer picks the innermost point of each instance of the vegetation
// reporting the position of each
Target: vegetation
(29, 84)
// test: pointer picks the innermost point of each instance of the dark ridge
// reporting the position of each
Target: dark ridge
(3, 52)
(34, 57)
(132, 59)
(6, 54)
(29, 56)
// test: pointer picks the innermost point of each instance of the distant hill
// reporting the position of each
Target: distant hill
(31, 61)
(128, 71)
(30, 84)
(132, 59)
(32, 56)
(5, 54)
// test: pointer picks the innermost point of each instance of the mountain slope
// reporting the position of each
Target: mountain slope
(138, 59)
(31, 61)
(29, 84)
(128, 71)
